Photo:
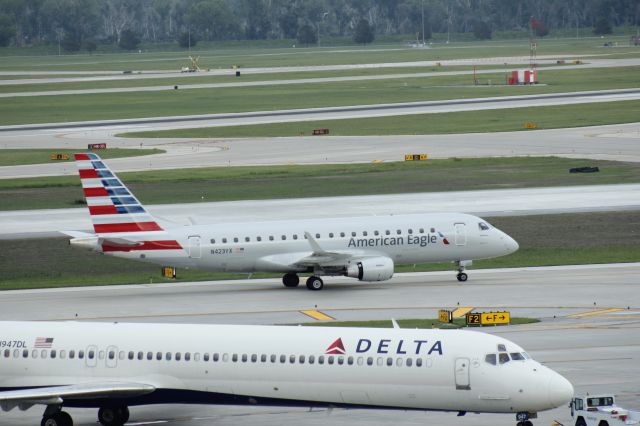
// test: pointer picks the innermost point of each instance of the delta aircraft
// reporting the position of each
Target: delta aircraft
(365, 248)
(112, 366)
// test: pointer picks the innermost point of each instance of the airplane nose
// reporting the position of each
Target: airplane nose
(560, 390)
(510, 244)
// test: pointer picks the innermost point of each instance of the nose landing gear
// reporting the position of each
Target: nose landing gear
(523, 418)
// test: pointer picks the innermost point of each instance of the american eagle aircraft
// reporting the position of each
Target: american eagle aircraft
(112, 366)
(365, 248)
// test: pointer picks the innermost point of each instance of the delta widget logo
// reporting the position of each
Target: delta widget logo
(336, 348)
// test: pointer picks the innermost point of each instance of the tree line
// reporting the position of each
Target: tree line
(83, 24)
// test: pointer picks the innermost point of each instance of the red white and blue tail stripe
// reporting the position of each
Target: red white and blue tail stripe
(115, 211)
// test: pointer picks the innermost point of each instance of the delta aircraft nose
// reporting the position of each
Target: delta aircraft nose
(511, 244)
(560, 391)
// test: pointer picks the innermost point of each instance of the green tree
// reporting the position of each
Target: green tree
(213, 20)
(602, 26)
(7, 30)
(89, 45)
(186, 39)
(481, 30)
(307, 35)
(129, 40)
(363, 33)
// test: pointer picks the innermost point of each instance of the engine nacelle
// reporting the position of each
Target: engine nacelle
(371, 269)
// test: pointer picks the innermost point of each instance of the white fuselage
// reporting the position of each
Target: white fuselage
(275, 246)
(282, 365)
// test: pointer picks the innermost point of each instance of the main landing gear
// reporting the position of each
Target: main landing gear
(116, 415)
(291, 279)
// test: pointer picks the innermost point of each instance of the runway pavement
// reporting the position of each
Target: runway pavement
(580, 336)
(486, 203)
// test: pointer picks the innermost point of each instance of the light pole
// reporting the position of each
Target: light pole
(423, 23)
(324, 14)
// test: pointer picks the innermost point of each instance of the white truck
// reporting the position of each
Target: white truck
(601, 410)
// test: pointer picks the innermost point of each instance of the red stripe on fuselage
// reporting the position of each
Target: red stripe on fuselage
(81, 157)
(96, 210)
(88, 174)
(95, 192)
(145, 245)
(126, 227)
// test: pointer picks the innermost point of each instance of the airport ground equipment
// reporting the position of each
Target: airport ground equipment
(601, 410)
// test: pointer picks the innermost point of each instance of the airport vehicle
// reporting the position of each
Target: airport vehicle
(601, 410)
(112, 366)
(365, 248)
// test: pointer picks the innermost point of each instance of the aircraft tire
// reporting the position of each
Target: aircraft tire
(113, 416)
(315, 283)
(61, 418)
(462, 277)
(291, 280)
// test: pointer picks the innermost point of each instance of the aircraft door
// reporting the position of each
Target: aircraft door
(195, 251)
(462, 374)
(112, 357)
(461, 234)
(91, 356)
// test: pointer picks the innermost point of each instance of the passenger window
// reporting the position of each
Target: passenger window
(81, 354)
(234, 358)
(421, 230)
(270, 237)
(43, 353)
(244, 357)
(490, 359)
(178, 356)
(340, 360)
(112, 355)
(353, 234)
(330, 359)
(410, 231)
(53, 353)
(284, 237)
(433, 230)
(149, 356)
(503, 357)
(398, 231)
(350, 360)
(330, 234)
(131, 355)
(216, 357)
(370, 360)
(317, 235)
(247, 239)
(389, 361)
(360, 360)
(419, 362)
(380, 361)
(364, 233)
(301, 359)
(63, 354)
(273, 358)
(292, 359)
(409, 362)
(213, 241)
(140, 355)
(158, 356)
(101, 354)
(92, 354)
(167, 356)
(295, 236)
(387, 232)
(25, 353)
(72, 354)
(205, 357)
(283, 359)
(187, 356)
(259, 238)
(376, 233)
(235, 239)
(263, 358)
(321, 359)
(224, 240)
(399, 362)
(342, 234)
(312, 359)
(254, 358)
(34, 353)
(121, 355)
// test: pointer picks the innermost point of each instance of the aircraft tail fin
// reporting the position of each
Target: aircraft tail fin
(112, 206)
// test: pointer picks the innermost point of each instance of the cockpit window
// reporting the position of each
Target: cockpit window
(517, 356)
(526, 355)
(503, 357)
(502, 348)
(483, 226)
(490, 359)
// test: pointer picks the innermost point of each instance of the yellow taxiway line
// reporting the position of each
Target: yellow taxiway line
(320, 316)
(462, 311)
(598, 312)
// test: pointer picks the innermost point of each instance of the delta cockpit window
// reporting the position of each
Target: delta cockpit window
(483, 226)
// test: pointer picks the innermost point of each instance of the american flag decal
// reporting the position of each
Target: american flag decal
(43, 342)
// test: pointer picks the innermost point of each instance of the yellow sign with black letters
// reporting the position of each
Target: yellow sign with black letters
(445, 316)
(488, 318)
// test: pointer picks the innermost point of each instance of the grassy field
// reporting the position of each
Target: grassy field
(495, 120)
(14, 157)
(62, 108)
(268, 182)
(245, 54)
(544, 240)
(409, 323)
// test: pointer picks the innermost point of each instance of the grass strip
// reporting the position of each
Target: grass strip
(15, 157)
(126, 105)
(545, 240)
(410, 323)
(291, 181)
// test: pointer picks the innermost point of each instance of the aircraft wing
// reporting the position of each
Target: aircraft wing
(25, 398)
(322, 257)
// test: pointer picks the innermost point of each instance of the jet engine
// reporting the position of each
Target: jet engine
(371, 269)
